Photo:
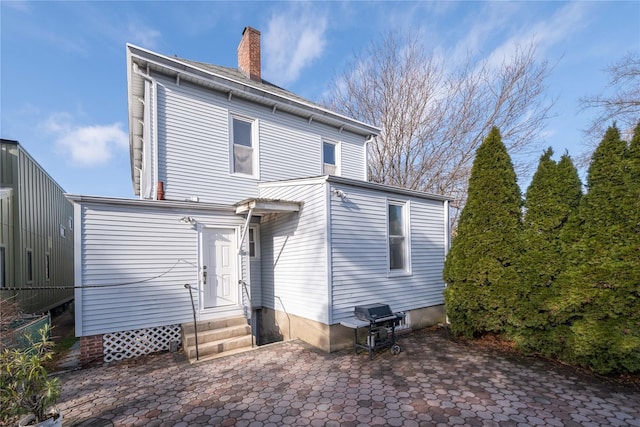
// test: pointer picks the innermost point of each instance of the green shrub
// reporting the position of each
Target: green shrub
(25, 387)
(480, 269)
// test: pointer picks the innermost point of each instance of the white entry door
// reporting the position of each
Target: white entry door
(219, 282)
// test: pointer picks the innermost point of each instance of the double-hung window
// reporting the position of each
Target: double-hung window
(244, 151)
(398, 232)
(330, 158)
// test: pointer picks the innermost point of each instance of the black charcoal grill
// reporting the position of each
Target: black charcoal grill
(381, 324)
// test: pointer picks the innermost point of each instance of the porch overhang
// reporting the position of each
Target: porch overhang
(259, 207)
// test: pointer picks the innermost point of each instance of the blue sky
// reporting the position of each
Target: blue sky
(63, 74)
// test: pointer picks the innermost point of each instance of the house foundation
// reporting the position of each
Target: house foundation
(91, 349)
(276, 325)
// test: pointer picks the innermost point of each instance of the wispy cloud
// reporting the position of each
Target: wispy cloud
(86, 145)
(546, 33)
(142, 35)
(292, 42)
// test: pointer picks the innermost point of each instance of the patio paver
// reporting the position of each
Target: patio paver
(434, 382)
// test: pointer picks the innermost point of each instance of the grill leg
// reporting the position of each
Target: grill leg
(371, 343)
(355, 340)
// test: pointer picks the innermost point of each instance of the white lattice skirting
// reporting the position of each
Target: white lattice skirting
(128, 344)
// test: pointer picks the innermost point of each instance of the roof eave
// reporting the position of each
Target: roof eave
(135, 140)
(240, 87)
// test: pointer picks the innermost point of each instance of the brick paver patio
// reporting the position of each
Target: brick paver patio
(434, 381)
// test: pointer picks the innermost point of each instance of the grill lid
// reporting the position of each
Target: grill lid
(372, 312)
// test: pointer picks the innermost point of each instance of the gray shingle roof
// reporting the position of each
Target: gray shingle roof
(235, 74)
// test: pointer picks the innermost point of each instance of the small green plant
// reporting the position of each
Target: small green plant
(25, 387)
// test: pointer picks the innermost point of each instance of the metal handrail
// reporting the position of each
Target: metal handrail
(246, 291)
(195, 324)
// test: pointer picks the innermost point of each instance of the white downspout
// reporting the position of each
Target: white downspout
(368, 141)
(447, 241)
(153, 120)
(242, 282)
(447, 228)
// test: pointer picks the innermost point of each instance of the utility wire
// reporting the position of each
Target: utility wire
(105, 285)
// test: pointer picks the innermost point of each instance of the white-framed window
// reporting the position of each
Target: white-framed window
(29, 266)
(3, 274)
(254, 243)
(71, 223)
(243, 146)
(47, 266)
(63, 231)
(330, 158)
(398, 237)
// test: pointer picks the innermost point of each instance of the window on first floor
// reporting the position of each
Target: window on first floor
(47, 266)
(243, 147)
(398, 231)
(330, 158)
(29, 266)
(254, 244)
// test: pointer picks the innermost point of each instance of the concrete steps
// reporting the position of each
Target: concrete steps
(217, 337)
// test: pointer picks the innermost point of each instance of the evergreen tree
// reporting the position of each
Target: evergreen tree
(480, 269)
(551, 200)
(633, 182)
(601, 288)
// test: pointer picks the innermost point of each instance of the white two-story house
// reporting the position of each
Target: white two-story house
(256, 199)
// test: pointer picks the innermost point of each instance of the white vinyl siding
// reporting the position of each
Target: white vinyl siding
(293, 254)
(194, 150)
(135, 263)
(359, 253)
(193, 147)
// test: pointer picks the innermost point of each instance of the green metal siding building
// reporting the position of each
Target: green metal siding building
(36, 233)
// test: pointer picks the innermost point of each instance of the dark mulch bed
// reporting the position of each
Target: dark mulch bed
(507, 348)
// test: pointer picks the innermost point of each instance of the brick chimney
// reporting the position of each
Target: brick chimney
(249, 54)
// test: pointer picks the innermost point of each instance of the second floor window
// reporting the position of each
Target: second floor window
(243, 145)
(330, 155)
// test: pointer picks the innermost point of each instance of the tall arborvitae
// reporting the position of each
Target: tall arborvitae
(480, 270)
(633, 183)
(601, 288)
(551, 199)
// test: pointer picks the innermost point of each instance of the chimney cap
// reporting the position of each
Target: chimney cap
(250, 29)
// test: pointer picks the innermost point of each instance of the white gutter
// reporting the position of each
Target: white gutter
(284, 101)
